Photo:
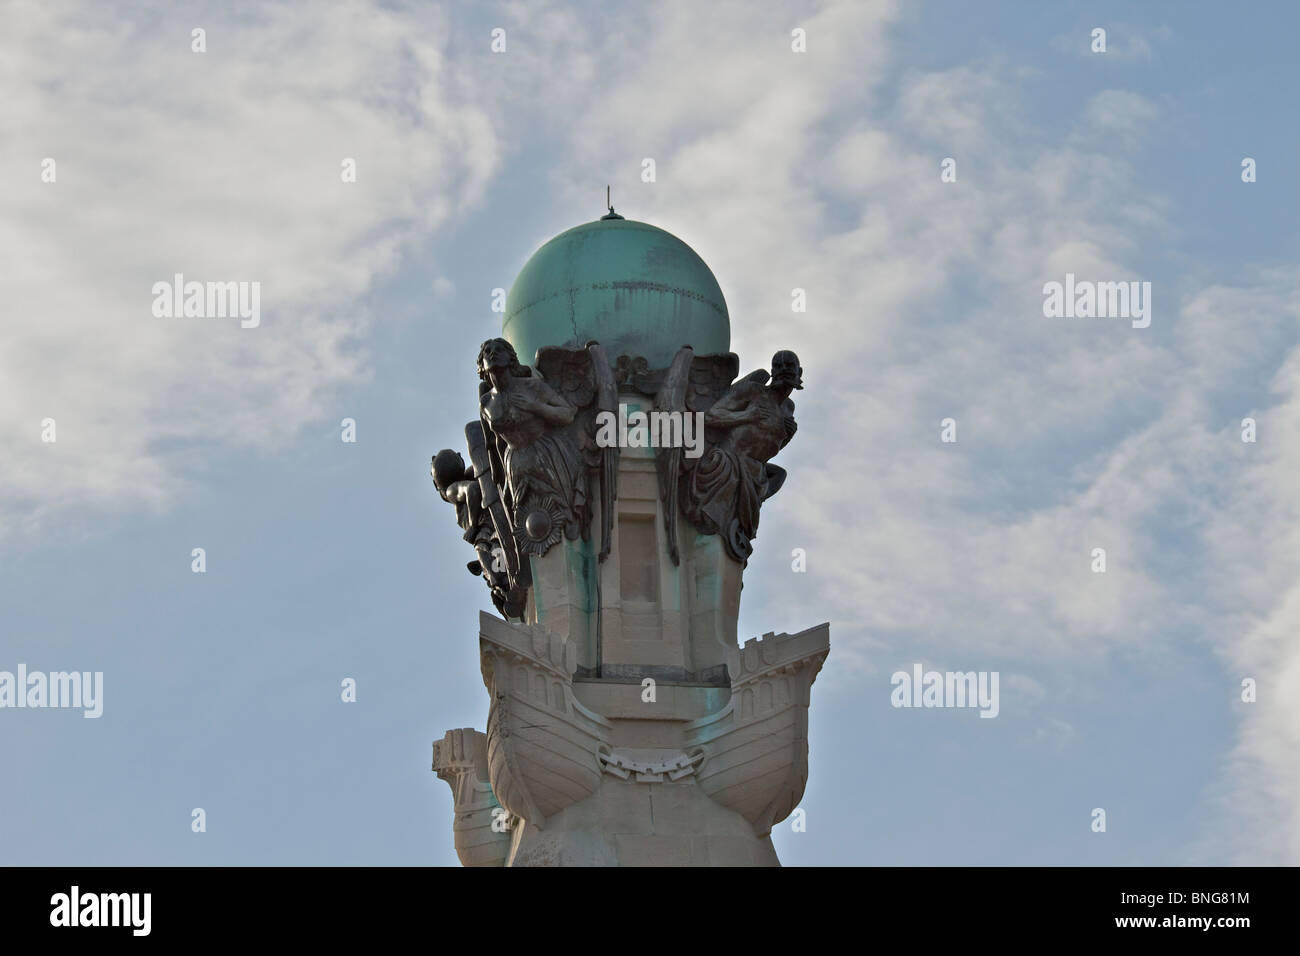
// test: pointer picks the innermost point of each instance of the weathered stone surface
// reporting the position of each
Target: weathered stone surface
(460, 759)
(626, 727)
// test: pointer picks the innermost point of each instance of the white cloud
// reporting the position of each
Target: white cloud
(1253, 554)
(223, 165)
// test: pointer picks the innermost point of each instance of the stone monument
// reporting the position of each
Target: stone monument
(612, 497)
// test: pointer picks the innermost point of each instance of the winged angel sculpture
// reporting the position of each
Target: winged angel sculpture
(536, 468)
(535, 462)
(746, 423)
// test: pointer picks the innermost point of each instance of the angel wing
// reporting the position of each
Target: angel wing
(710, 377)
(606, 401)
(671, 397)
(570, 372)
(585, 379)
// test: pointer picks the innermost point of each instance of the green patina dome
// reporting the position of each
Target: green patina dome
(634, 288)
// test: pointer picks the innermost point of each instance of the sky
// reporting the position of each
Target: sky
(818, 170)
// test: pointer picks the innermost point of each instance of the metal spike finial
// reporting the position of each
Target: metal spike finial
(611, 214)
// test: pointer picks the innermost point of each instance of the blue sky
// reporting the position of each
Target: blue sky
(820, 170)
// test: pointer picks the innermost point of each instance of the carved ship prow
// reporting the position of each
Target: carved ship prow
(543, 745)
(755, 749)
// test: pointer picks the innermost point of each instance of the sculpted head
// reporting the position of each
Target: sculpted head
(448, 467)
(499, 355)
(786, 369)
